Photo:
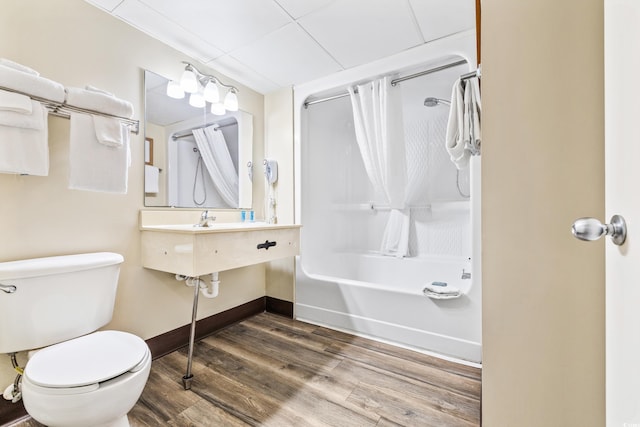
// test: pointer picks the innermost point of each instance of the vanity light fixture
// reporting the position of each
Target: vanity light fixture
(203, 88)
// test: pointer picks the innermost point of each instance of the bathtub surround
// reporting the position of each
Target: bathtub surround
(343, 278)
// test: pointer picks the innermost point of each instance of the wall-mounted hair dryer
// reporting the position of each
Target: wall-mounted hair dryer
(270, 170)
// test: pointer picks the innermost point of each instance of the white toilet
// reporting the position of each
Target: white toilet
(81, 377)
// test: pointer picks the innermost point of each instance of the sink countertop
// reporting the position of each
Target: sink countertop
(220, 227)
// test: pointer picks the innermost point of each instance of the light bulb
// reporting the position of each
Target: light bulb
(211, 93)
(197, 100)
(174, 90)
(218, 109)
(231, 100)
(189, 81)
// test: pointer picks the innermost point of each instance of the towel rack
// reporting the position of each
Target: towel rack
(64, 110)
(476, 73)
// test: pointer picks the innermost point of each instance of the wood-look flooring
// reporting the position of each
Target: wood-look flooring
(273, 371)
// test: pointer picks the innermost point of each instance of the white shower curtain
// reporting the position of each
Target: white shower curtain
(377, 113)
(216, 157)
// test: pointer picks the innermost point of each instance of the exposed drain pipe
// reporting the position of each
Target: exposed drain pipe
(209, 290)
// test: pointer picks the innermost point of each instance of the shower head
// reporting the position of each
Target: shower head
(432, 102)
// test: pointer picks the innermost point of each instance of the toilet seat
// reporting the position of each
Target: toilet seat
(82, 363)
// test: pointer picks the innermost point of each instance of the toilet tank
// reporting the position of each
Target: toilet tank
(56, 298)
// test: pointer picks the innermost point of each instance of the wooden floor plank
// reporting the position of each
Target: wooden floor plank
(273, 371)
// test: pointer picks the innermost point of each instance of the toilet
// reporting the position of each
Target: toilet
(76, 376)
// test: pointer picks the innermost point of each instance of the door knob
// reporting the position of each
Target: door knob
(592, 229)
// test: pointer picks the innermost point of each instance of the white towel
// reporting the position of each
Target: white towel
(31, 84)
(31, 120)
(151, 179)
(25, 150)
(108, 130)
(475, 112)
(455, 139)
(99, 101)
(9, 63)
(94, 166)
(11, 101)
(464, 134)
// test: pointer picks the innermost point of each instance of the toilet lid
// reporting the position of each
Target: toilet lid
(89, 359)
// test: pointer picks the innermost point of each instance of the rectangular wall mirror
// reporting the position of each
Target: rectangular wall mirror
(200, 160)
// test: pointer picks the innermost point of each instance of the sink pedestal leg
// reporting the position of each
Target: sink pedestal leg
(188, 377)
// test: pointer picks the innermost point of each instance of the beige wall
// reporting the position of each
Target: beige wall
(74, 43)
(543, 291)
(278, 108)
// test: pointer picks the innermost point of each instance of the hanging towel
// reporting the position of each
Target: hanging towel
(11, 101)
(24, 141)
(475, 110)
(455, 139)
(108, 130)
(94, 166)
(99, 101)
(29, 118)
(151, 179)
(31, 84)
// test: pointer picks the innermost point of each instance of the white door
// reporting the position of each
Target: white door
(622, 165)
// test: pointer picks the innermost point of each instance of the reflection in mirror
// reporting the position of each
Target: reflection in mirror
(200, 160)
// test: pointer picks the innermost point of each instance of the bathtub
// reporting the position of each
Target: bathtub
(382, 298)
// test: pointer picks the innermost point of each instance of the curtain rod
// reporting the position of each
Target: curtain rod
(63, 110)
(189, 133)
(401, 79)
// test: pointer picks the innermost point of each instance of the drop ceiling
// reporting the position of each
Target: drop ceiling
(270, 44)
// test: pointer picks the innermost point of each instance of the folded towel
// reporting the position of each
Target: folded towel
(23, 150)
(33, 120)
(455, 138)
(94, 166)
(108, 130)
(95, 89)
(441, 288)
(9, 63)
(11, 101)
(151, 179)
(31, 84)
(98, 101)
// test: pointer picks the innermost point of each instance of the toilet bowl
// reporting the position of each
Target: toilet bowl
(93, 380)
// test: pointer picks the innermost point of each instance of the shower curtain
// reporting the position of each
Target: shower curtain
(216, 157)
(377, 113)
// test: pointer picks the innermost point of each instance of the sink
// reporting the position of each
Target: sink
(196, 251)
(219, 226)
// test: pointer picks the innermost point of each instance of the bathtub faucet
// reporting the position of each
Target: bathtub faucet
(206, 220)
(465, 275)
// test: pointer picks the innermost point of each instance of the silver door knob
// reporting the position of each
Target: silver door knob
(592, 229)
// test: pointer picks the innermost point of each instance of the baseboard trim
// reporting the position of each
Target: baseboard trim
(173, 340)
(279, 306)
(163, 344)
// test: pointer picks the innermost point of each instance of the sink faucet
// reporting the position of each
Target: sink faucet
(206, 220)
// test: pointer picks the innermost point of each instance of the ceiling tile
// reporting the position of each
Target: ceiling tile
(226, 24)
(361, 31)
(287, 56)
(243, 74)
(159, 27)
(297, 8)
(439, 18)
(105, 4)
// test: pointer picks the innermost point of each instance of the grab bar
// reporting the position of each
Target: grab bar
(8, 289)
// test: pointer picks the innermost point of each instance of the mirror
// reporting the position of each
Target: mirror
(193, 158)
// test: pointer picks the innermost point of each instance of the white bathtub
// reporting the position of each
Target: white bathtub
(382, 298)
